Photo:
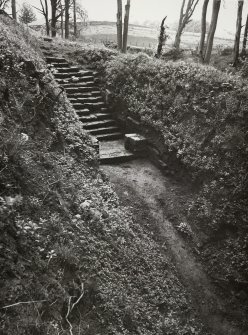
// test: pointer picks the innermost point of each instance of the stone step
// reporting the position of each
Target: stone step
(73, 100)
(76, 83)
(47, 39)
(82, 89)
(114, 152)
(79, 106)
(98, 124)
(71, 69)
(84, 94)
(51, 59)
(60, 65)
(94, 105)
(88, 118)
(69, 76)
(90, 99)
(109, 137)
(71, 80)
(104, 130)
(83, 112)
(102, 116)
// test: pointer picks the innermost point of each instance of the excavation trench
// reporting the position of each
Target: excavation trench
(152, 198)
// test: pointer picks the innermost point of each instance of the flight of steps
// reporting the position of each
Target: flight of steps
(86, 98)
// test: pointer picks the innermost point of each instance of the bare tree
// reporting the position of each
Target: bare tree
(119, 24)
(44, 11)
(55, 15)
(67, 18)
(27, 14)
(82, 18)
(203, 28)
(13, 7)
(4, 4)
(245, 38)
(184, 19)
(75, 18)
(125, 29)
(62, 19)
(238, 32)
(211, 33)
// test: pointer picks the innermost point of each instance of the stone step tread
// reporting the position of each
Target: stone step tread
(52, 59)
(83, 112)
(60, 65)
(104, 130)
(109, 137)
(78, 83)
(94, 117)
(69, 69)
(77, 75)
(82, 85)
(90, 99)
(114, 151)
(86, 94)
(88, 118)
(98, 123)
(81, 89)
(76, 93)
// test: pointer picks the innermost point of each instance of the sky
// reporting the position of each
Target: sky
(154, 10)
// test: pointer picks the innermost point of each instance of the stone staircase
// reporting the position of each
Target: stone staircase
(86, 98)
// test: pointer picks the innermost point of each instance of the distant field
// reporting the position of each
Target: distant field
(143, 36)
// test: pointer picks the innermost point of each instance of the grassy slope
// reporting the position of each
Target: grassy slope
(63, 234)
(200, 114)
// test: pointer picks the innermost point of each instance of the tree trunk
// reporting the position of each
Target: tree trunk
(179, 31)
(67, 17)
(161, 39)
(203, 28)
(245, 38)
(45, 10)
(238, 33)
(75, 17)
(62, 22)
(53, 18)
(126, 21)
(184, 19)
(119, 24)
(13, 7)
(213, 25)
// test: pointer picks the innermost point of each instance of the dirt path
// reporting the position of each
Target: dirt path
(152, 198)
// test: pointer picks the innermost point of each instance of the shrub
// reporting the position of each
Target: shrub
(200, 113)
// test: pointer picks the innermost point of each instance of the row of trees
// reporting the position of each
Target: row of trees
(56, 13)
(63, 12)
(206, 44)
(4, 4)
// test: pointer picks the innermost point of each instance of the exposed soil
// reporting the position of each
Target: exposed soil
(158, 202)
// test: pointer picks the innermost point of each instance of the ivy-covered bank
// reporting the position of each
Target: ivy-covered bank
(201, 115)
(71, 258)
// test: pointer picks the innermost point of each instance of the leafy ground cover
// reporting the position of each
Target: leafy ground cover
(201, 115)
(71, 260)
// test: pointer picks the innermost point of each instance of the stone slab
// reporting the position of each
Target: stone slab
(135, 142)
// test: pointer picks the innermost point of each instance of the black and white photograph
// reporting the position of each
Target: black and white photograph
(123, 167)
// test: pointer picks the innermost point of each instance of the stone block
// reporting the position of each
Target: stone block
(135, 142)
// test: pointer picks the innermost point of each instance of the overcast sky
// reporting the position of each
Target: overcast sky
(154, 10)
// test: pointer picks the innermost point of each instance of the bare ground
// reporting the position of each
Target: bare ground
(158, 202)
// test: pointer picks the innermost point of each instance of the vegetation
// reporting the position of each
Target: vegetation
(200, 113)
(27, 14)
